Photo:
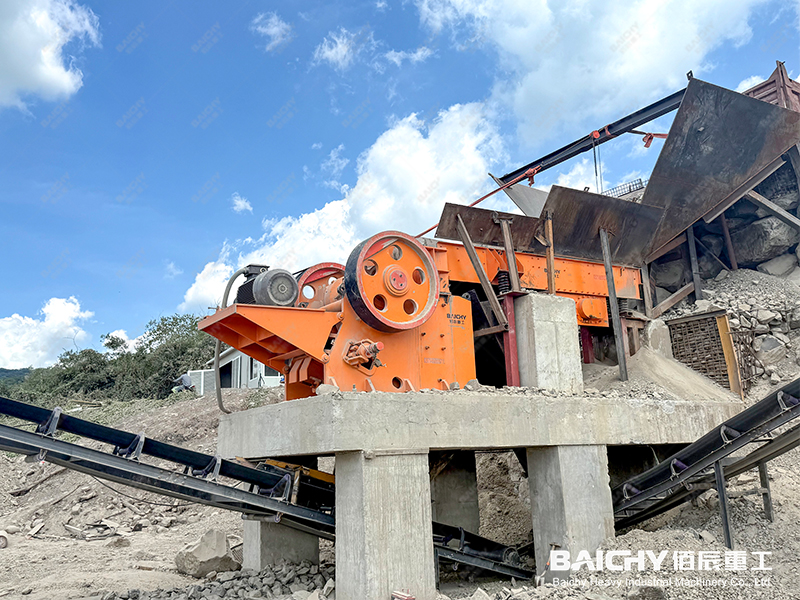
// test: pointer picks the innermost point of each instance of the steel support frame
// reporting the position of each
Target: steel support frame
(610, 131)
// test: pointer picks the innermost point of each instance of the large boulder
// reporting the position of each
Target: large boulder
(781, 188)
(670, 275)
(708, 266)
(780, 266)
(714, 243)
(763, 240)
(769, 349)
(210, 553)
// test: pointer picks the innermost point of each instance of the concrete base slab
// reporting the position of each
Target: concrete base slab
(570, 499)
(383, 525)
(267, 543)
(348, 421)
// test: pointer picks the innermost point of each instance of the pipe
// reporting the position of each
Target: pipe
(218, 345)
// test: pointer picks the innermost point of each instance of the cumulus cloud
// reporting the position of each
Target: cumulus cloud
(746, 84)
(240, 204)
(277, 31)
(339, 49)
(33, 56)
(629, 53)
(316, 146)
(403, 181)
(209, 285)
(419, 55)
(37, 341)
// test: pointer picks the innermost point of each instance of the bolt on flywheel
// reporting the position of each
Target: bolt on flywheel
(391, 282)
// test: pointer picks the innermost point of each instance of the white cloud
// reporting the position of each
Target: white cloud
(171, 271)
(209, 285)
(130, 344)
(746, 84)
(37, 342)
(316, 146)
(340, 49)
(333, 166)
(419, 55)
(380, 5)
(565, 64)
(33, 37)
(404, 179)
(272, 27)
(240, 204)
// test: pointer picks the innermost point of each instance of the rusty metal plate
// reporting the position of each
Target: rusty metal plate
(719, 141)
(578, 217)
(483, 230)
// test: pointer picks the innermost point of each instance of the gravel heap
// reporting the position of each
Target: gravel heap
(298, 582)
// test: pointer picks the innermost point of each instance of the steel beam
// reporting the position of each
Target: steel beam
(619, 333)
(610, 131)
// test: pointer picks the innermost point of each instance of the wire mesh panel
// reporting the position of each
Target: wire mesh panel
(697, 343)
(748, 363)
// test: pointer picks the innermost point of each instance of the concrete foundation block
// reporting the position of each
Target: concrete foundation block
(547, 343)
(454, 489)
(570, 499)
(383, 525)
(267, 543)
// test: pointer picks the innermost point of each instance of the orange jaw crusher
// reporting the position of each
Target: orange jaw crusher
(386, 321)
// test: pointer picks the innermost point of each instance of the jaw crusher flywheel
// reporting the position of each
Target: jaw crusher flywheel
(391, 282)
(314, 281)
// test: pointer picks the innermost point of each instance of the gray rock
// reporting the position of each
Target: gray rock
(765, 316)
(648, 593)
(662, 294)
(210, 553)
(769, 349)
(656, 336)
(781, 188)
(326, 388)
(774, 379)
(709, 268)
(714, 243)
(780, 266)
(670, 275)
(763, 240)
(480, 595)
(722, 275)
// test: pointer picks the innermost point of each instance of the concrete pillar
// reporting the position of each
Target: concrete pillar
(570, 499)
(454, 489)
(267, 543)
(384, 538)
(548, 349)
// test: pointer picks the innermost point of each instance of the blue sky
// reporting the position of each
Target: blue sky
(151, 148)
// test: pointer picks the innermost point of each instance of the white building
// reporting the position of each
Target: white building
(236, 370)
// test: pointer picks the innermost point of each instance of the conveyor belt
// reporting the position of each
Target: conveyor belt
(689, 472)
(310, 509)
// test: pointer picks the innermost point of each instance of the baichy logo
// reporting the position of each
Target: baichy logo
(643, 560)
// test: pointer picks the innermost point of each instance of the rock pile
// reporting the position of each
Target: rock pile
(765, 304)
(284, 581)
(759, 240)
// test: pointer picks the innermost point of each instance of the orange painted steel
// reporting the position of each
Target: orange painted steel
(311, 346)
(315, 281)
(388, 321)
(581, 280)
(424, 339)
